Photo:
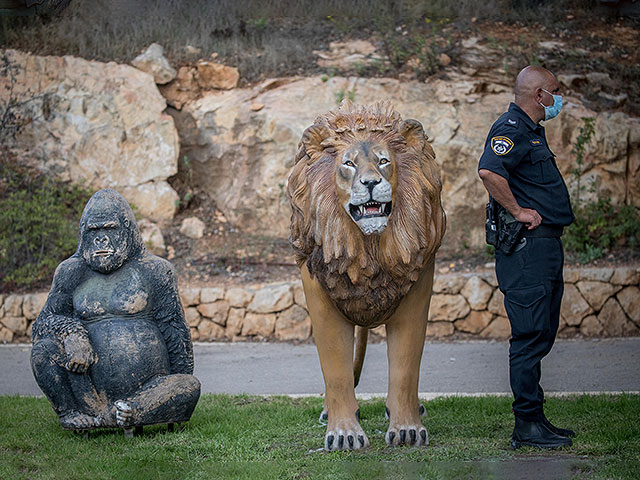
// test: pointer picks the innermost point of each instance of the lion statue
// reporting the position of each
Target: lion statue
(366, 223)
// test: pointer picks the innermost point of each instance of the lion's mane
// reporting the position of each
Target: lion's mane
(366, 276)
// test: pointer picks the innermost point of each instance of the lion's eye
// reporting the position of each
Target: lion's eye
(383, 161)
(349, 163)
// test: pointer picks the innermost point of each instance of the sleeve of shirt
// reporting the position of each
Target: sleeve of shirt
(503, 151)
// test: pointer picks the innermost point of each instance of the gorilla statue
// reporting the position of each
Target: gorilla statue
(111, 347)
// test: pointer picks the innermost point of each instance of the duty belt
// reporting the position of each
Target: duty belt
(544, 231)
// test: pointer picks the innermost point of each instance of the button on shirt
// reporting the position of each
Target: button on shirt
(517, 150)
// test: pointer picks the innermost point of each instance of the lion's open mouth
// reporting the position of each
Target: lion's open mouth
(370, 209)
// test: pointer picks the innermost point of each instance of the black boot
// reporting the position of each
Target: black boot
(563, 432)
(536, 434)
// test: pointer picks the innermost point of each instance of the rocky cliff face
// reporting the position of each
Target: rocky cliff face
(101, 124)
(106, 125)
(241, 143)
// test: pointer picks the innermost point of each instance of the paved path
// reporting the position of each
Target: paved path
(472, 367)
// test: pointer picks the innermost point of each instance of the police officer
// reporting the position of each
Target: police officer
(519, 171)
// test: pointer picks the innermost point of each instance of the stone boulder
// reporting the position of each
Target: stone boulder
(152, 237)
(32, 304)
(272, 298)
(192, 227)
(448, 307)
(574, 307)
(153, 61)
(215, 75)
(101, 124)
(293, 324)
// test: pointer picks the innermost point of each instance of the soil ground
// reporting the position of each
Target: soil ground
(227, 255)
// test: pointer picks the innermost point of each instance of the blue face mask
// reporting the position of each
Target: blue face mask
(553, 110)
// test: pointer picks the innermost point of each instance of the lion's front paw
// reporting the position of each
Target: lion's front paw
(407, 435)
(345, 439)
(345, 434)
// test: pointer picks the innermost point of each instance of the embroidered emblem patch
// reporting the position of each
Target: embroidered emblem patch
(501, 145)
(535, 143)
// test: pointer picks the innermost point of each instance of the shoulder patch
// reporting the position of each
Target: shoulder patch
(501, 145)
(512, 122)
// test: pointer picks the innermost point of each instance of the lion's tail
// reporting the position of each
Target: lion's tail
(361, 348)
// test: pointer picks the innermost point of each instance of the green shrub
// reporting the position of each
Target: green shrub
(600, 226)
(38, 224)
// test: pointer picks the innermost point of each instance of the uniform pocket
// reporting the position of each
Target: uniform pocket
(543, 167)
(528, 310)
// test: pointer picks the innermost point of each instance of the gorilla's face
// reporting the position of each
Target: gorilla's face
(105, 242)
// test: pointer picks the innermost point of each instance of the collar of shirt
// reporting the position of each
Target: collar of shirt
(516, 110)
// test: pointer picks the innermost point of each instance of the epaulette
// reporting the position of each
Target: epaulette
(512, 122)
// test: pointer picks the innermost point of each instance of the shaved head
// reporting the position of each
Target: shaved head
(531, 84)
(531, 78)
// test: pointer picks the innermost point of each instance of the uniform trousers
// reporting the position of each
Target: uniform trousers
(532, 284)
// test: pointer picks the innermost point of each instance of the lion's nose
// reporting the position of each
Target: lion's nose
(369, 183)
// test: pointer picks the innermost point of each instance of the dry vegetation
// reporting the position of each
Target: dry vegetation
(277, 37)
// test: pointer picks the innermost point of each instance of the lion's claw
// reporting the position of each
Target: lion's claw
(342, 440)
(328, 442)
(417, 435)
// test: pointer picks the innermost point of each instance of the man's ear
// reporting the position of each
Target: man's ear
(314, 139)
(413, 133)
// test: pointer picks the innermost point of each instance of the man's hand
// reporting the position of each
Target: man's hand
(529, 217)
(80, 355)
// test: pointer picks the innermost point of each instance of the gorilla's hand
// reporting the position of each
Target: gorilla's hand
(80, 355)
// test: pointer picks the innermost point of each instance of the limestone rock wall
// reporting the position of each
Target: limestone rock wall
(241, 143)
(101, 124)
(106, 125)
(598, 302)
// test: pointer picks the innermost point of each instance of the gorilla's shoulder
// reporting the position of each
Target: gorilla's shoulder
(156, 266)
(70, 267)
(69, 273)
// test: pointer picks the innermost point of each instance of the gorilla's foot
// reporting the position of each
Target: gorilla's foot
(345, 434)
(124, 414)
(406, 430)
(75, 420)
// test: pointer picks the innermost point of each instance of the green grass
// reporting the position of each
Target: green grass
(258, 437)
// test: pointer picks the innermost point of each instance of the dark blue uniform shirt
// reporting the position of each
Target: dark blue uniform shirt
(517, 150)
